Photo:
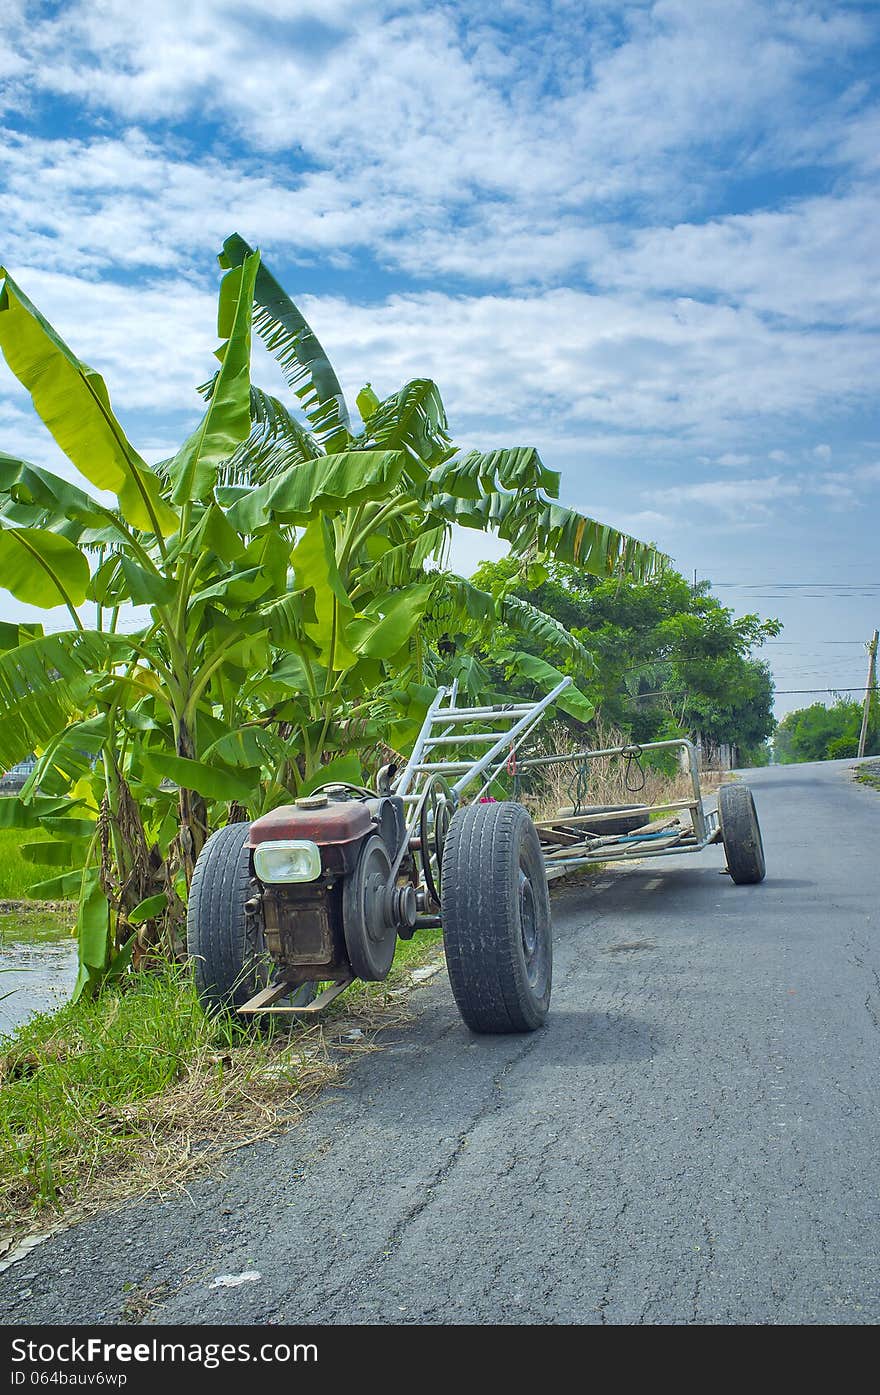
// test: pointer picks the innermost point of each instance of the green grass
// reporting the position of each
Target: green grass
(138, 1088)
(16, 875)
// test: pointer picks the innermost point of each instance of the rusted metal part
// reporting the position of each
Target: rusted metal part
(338, 828)
(303, 930)
(268, 1000)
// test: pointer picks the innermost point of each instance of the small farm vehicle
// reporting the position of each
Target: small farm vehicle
(285, 912)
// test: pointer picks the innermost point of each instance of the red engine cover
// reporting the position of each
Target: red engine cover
(338, 829)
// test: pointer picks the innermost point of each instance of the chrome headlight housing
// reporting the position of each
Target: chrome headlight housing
(287, 860)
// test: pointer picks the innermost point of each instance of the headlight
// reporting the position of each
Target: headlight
(287, 862)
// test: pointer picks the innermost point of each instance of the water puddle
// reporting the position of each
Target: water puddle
(35, 976)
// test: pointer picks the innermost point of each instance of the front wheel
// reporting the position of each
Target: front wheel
(495, 912)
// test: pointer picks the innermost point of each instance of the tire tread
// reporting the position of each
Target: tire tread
(480, 917)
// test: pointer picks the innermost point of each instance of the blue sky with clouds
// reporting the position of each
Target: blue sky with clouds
(640, 236)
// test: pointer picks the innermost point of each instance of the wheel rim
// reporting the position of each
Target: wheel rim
(531, 932)
(434, 820)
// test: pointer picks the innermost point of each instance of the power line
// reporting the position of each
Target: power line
(799, 585)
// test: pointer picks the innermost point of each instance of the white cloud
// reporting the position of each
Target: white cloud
(153, 343)
(814, 262)
(628, 364)
(737, 500)
(733, 459)
(435, 103)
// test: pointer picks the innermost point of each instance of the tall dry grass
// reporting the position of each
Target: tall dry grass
(609, 779)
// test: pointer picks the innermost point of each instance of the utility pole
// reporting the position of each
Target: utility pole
(872, 684)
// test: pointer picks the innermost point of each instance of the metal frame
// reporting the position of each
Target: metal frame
(446, 727)
(567, 845)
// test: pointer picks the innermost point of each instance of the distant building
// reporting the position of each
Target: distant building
(15, 778)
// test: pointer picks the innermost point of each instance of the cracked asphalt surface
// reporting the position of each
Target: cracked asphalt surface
(692, 1138)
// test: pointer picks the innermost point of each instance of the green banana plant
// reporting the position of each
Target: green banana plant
(293, 572)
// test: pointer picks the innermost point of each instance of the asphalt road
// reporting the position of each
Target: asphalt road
(692, 1138)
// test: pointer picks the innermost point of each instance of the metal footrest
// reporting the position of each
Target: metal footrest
(267, 998)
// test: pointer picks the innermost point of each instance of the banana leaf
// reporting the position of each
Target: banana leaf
(227, 421)
(73, 402)
(42, 568)
(288, 335)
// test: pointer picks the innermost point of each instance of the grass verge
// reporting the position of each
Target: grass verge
(868, 775)
(135, 1092)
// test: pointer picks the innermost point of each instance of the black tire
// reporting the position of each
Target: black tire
(495, 912)
(741, 835)
(633, 816)
(229, 966)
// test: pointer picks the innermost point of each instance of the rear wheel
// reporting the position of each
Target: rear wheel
(495, 912)
(224, 939)
(741, 834)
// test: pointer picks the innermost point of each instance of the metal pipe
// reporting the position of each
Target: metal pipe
(572, 820)
(486, 760)
(636, 855)
(609, 751)
(475, 714)
(464, 737)
(405, 780)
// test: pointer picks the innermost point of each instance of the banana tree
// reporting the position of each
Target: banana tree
(370, 566)
(293, 575)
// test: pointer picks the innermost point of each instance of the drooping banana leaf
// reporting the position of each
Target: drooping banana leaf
(73, 402)
(572, 700)
(56, 499)
(211, 781)
(315, 569)
(476, 473)
(519, 616)
(15, 814)
(345, 769)
(213, 533)
(64, 888)
(397, 564)
(67, 758)
(94, 934)
(248, 747)
(540, 529)
(331, 481)
(226, 422)
(291, 339)
(388, 622)
(42, 568)
(412, 420)
(276, 441)
(46, 682)
(56, 853)
(12, 635)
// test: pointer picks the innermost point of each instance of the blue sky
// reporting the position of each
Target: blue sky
(642, 237)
